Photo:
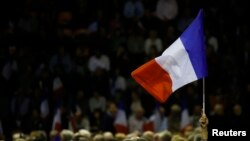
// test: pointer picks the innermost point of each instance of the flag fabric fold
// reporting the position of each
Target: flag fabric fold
(181, 63)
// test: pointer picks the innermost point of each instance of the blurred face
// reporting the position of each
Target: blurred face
(219, 109)
(162, 111)
(237, 110)
(139, 113)
(78, 116)
(113, 109)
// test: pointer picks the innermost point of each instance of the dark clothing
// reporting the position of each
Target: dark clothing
(108, 123)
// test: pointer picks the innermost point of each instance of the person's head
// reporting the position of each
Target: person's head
(97, 114)
(66, 135)
(120, 136)
(84, 133)
(108, 136)
(18, 135)
(112, 108)
(162, 111)
(98, 137)
(188, 130)
(133, 134)
(53, 135)
(139, 112)
(78, 137)
(237, 110)
(78, 114)
(148, 135)
(175, 109)
(135, 138)
(163, 136)
(43, 135)
(219, 109)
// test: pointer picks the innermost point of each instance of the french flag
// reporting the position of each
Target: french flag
(121, 123)
(57, 123)
(181, 63)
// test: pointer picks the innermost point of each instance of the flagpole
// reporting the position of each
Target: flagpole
(203, 91)
(203, 120)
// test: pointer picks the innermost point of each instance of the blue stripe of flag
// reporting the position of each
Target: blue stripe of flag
(193, 41)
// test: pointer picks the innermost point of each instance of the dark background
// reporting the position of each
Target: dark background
(31, 33)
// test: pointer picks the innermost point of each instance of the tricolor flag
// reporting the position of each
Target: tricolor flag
(181, 63)
(57, 123)
(121, 123)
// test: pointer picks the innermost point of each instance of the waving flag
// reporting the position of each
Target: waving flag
(181, 63)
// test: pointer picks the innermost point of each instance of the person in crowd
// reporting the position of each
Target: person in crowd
(135, 101)
(137, 120)
(108, 120)
(167, 9)
(97, 101)
(153, 40)
(95, 40)
(66, 135)
(108, 136)
(98, 137)
(159, 119)
(133, 9)
(218, 119)
(61, 58)
(163, 136)
(174, 118)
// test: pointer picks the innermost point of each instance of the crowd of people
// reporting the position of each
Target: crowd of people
(85, 135)
(77, 56)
